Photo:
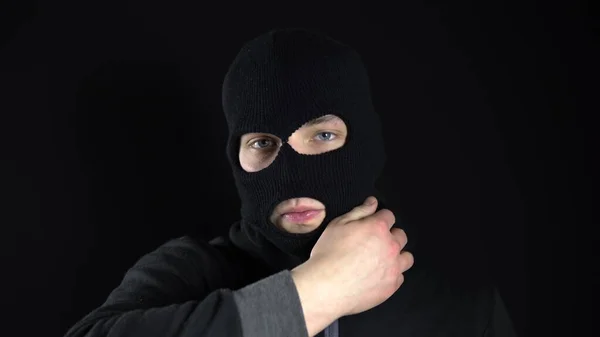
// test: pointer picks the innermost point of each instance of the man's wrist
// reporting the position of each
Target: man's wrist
(318, 305)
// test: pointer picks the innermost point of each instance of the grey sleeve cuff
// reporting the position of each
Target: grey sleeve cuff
(271, 308)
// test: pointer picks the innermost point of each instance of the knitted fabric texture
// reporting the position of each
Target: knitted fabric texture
(278, 82)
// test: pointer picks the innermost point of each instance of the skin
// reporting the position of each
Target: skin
(259, 150)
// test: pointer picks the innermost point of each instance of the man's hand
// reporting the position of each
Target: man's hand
(355, 265)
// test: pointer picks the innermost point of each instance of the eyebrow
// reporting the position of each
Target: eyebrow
(322, 119)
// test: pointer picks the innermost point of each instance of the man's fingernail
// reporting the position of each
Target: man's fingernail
(370, 201)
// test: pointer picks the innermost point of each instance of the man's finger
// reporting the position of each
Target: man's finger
(400, 236)
(367, 208)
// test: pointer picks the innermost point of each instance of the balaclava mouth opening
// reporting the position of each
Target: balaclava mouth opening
(278, 82)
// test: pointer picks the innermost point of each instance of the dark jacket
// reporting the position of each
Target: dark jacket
(229, 288)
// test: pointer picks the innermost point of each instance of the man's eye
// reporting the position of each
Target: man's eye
(262, 143)
(325, 136)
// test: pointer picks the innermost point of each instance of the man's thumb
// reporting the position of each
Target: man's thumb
(361, 211)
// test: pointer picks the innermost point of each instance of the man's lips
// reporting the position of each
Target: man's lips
(299, 209)
(301, 214)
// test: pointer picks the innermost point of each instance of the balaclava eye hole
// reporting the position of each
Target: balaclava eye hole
(318, 136)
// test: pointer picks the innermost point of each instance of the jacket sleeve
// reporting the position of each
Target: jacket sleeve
(169, 293)
(499, 324)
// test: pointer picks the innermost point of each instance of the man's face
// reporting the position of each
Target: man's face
(259, 150)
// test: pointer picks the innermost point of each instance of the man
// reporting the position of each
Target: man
(314, 253)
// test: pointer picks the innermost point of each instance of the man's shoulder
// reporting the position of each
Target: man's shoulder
(237, 265)
(218, 246)
(190, 253)
(192, 248)
(440, 294)
(217, 260)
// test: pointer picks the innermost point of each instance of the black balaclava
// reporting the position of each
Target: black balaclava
(279, 81)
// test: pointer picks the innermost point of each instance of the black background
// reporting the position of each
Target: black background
(114, 136)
